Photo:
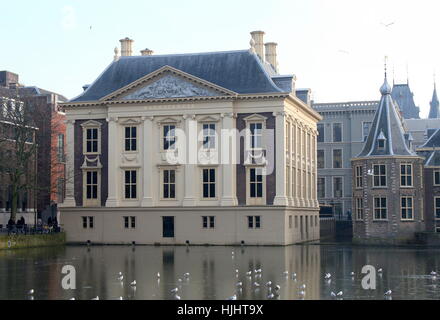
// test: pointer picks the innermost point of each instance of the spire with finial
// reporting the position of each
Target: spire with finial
(386, 88)
(434, 111)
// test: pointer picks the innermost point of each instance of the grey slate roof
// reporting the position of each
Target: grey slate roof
(432, 159)
(405, 99)
(433, 141)
(386, 124)
(434, 111)
(239, 71)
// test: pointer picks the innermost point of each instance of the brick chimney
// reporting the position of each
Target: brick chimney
(126, 47)
(147, 52)
(258, 37)
(271, 54)
(8, 79)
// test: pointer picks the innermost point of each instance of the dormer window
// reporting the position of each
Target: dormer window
(381, 140)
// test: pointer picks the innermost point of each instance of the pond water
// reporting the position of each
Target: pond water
(212, 272)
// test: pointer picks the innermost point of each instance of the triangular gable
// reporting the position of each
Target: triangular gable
(168, 82)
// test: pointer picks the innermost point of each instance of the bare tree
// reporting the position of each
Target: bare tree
(18, 148)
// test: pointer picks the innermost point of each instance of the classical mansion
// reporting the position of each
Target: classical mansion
(201, 148)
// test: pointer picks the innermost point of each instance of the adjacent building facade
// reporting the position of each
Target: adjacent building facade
(42, 106)
(204, 148)
(388, 193)
(342, 134)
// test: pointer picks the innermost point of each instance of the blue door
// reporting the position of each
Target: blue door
(168, 227)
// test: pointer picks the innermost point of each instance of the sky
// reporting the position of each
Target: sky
(335, 47)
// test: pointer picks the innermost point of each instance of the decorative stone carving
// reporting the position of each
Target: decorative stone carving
(170, 86)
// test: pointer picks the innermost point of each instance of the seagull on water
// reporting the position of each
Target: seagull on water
(256, 284)
(340, 294)
(120, 277)
(158, 275)
(234, 297)
(327, 276)
(177, 297)
(332, 294)
(239, 284)
(120, 298)
(133, 284)
(277, 288)
(31, 292)
(268, 284)
(271, 296)
(388, 293)
(72, 299)
(97, 298)
(380, 270)
(175, 290)
(352, 274)
(303, 287)
(249, 273)
(286, 273)
(186, 275)
(294, 275)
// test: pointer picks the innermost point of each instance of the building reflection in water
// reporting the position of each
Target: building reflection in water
(212, 272)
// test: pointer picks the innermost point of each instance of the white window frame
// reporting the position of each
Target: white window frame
(169, 183)
(130, 220)
(257, 200)
(130, 138)
(436, 208)
(342, 158)
(407, 208)
(342, 186)
(317, 159)
(380, 175)
(130, 184)
(380, 208)
(210, 222)
(333, 132)
(406, 175)
(91, 202)
(92, 124)
(209, 183)
(359, 208)
(359, 178)
(169, 138)
(325, 185)
(211, 136)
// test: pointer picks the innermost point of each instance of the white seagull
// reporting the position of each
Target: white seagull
(31, 292)
(268, 284)
(327, 276)
(234, 297)
(380, 270)
(239, 284)
(333, 294)
(175, 290)
(97, 298)
(133, 284)
(303, 287)
(340, 294)
(388, 293)
(186, 275)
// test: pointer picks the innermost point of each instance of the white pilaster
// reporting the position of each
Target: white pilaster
(280, 141)
(113, 168)
(69, 200)
(228, 160)
(191, 178)
(147, 164)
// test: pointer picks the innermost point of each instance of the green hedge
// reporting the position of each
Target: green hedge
(32, 241)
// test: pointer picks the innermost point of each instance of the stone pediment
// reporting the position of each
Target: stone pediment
(170, 86)
(168, 83)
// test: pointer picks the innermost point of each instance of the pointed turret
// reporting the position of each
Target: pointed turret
(434, 112)
(387, 133)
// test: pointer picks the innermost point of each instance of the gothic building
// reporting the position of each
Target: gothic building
(434, 111)
(404, 98)
(387, 180)
(201, 148)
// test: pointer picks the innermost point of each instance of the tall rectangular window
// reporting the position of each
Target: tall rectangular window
(169, 137)
(437, 177)
(337, 187)
(379, 175)
(337, 132)
(130, 138)
(209, 183)
(256, 183)
(437, 207)
(130, 184)
(92, 140)
(337, 158)
(380, 208)
(406, 175)
(169, 184)
(208, 222)
(92, 185)
(60, 148)
(321, 133)
(321, 159)
(365, 130)
(407, 208)
(321, 188)
(359, 178)
(359, 208)
(208, 136)
(256, 138)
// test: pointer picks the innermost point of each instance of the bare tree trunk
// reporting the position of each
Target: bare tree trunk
(14, 203)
